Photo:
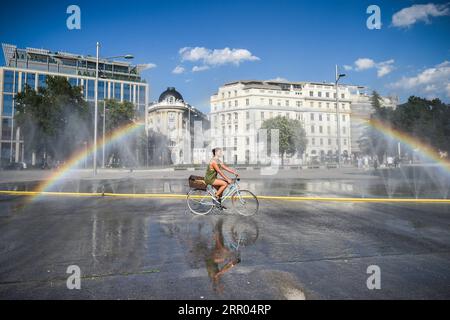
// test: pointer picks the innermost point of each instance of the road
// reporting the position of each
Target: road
(155, 249)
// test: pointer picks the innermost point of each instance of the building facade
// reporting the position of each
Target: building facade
(239, 109)
(361, 111)
(118, 80)
(174, 120)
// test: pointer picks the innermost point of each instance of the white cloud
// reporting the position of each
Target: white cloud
(278, 79)
(199, 68)
(383, 67)
(216, 57)
(433, 81)
(419, 12)
(147, 66)
(178, 70)
(364, 64)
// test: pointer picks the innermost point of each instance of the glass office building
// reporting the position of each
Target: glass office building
(118, 80)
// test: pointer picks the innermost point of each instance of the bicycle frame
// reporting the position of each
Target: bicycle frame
(232, 189)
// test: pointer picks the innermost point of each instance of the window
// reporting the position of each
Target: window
(72, 81)
(142, 95)
(329, 142)
(8, 81)
(101, 90)
(42, 81)
(247, 115)
(31, 80)
(247, 102)
(329, 130)
(270, 102)
(287, 103)
(320, 117)
(7, 105)
(342, 96)
(312, 116)
(343, 117)
(344, 130)
(313, 141)
(262, 115)
(320, 129)
(299, 103)
(319, 93)
(117, 92)
(235, 142)
(320, 104)
(235, 93)
(235, 103)
(229, 117)
(235, 116)
(6, 131)
(247, 140)
(229, 103)
(126, 92)
(236, 128)
(248, 127)
(312, 129)
(311, 94)
(345, 142)
(90, 89)
(327, 94)
(328, 105)
(321, 141)
(311, 104)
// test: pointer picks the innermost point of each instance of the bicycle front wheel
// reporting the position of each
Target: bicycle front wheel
(245, 203)
(199, 201)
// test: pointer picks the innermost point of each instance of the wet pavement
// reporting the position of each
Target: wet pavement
(155, 249)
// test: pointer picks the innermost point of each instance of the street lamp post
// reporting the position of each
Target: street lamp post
(96, 109)
(338, 76)
(128, 56)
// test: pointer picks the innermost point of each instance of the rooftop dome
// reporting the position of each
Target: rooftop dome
(170, 92)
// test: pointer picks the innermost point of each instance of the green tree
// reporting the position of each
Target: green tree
(425, 120)
(292, 136)
(53, 120)
(119, 114)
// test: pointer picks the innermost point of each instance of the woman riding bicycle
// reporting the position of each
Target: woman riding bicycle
(215, 167)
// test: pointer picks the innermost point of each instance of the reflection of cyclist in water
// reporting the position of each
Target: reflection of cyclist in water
(220, 254)
(215, 167)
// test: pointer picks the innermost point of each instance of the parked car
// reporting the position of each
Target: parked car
(15, 166)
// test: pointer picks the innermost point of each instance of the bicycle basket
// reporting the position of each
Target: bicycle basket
(197, 182)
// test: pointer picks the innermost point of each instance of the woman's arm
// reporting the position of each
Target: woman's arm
(216, 167)
(224, 167)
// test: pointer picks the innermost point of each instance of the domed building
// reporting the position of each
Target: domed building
(170, 126)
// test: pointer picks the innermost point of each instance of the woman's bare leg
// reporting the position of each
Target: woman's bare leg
(220, 185)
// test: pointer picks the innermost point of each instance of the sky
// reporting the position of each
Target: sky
(197, 46)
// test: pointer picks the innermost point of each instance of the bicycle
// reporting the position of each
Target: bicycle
(201, 200)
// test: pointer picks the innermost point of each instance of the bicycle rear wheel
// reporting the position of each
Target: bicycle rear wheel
(245, 202)
(199, 201)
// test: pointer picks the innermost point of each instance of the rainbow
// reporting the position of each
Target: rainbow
(80, 155)
(412, 142)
